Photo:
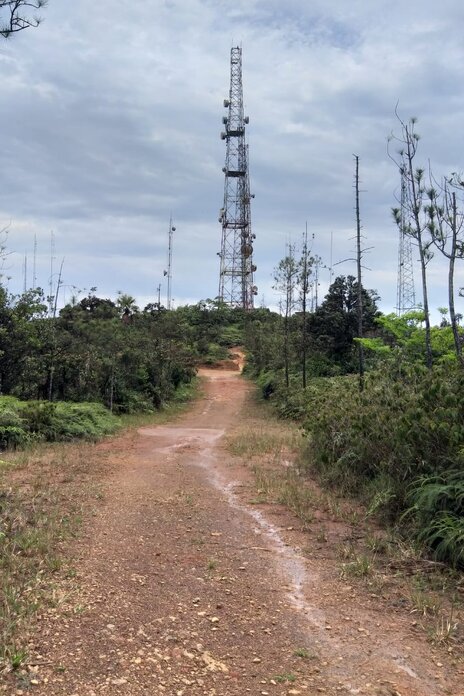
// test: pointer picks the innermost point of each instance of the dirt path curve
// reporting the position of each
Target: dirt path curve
(186, 588)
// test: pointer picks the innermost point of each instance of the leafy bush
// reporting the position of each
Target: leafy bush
(40, 418)
(213, 352)
(88, 421)
(397, 429)
(267, 383)
(437, 514)
(23, 422)
(13, 436)
(230, 336)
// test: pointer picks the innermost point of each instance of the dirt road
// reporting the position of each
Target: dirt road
(186, 588)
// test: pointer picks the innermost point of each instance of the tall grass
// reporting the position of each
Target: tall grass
(258, 439)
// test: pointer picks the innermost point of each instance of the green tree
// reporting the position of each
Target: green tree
(286, 279)
(334, 325)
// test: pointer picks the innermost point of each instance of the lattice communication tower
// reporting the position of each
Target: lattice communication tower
(236, 286)
(406, 296)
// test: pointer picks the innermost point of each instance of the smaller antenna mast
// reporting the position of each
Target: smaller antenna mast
(52, 257)
(34, 264)
(25, 273)
(58, 285)
(331, 258)
(172, 229)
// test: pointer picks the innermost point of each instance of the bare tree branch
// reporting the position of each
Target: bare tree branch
(15, 15)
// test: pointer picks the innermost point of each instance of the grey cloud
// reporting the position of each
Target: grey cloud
(113, 120)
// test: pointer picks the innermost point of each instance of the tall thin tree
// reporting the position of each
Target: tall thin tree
(446, 225)
(359, 251)
(286, 278)
(415, 221)
(304, 274)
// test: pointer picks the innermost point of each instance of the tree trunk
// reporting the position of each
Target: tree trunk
(359, 298)
(416, 202)
(304, 302)
(452, 261)
(287, 378)
(428, 339)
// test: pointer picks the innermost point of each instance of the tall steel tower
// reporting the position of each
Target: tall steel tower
(406, 296)
(236, 286)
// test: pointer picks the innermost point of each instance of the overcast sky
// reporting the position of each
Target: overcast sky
(110, 115)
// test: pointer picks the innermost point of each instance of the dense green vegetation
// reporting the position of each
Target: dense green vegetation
(106, 352)
(25, 422)
(398, 443)
(68, 376)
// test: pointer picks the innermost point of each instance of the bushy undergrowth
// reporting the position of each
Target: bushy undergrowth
(398, 445)
(24, 422)
(437, 511)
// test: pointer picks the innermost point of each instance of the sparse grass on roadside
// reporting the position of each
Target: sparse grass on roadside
(286, 488)
(250, 442)
(377, 544)
(378, 560)
(286, 678)
(41, 498)
(212, 564)
(270, 437)
(45, 490)
(444, 630)
(360, 567)
(423, 603)
(303, 653)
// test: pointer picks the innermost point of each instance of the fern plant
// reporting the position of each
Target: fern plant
(437, 512)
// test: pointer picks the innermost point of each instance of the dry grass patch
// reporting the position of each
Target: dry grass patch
(265, 436)
(43, 494)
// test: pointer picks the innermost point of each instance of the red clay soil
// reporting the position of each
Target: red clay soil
(185, 588)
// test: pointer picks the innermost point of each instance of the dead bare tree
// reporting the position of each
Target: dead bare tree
(446, 226)
(415, 222)
(359, 308)
(15, 15)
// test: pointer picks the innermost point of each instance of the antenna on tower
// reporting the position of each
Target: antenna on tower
(236, 285)
(406, 296)
(34, 264)
(172, 229)
(52, 258)
(25, 273)
(331, 258)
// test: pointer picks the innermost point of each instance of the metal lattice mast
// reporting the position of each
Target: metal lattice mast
(406, 296)
(172, 229)
(236, 287)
